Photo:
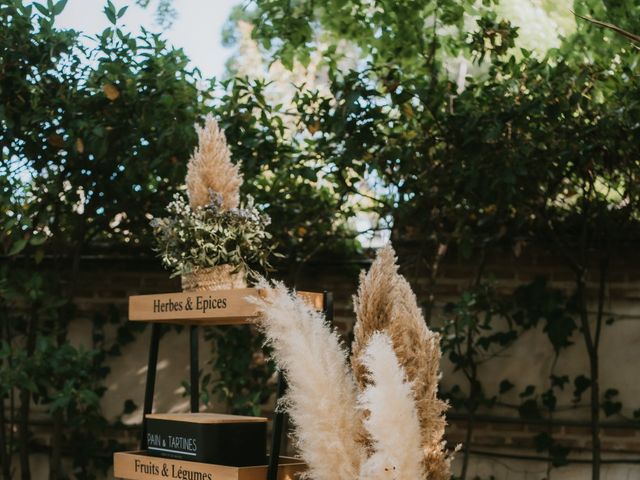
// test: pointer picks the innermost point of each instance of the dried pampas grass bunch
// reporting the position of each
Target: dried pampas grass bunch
(210, 169)
(383, 419)
(321, 399)
(396, 312)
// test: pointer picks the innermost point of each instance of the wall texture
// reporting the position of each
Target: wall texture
(502, 443)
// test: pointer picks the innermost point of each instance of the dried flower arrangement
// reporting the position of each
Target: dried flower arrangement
(380, 420)
(212, 241)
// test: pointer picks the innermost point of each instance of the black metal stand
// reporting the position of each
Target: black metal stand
(278, 428)
(194, 370)
(151, 380)
(154, 347)
(279, 416)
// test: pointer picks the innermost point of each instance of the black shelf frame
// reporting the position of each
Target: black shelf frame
(277, 433)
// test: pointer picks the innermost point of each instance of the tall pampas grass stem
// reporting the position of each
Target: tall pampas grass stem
(321, 399)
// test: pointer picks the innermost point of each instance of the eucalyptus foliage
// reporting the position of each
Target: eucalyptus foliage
(190, 238)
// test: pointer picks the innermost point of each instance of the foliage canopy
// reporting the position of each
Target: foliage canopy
(431, 121)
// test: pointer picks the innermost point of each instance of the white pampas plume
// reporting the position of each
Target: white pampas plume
(321, 399)
(392, 421)
(210, 169)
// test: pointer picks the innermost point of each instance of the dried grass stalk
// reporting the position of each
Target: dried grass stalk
(386, 302)
(321, 399)
(418, 350)
(373, 307)
(210, 169)
(392, 420)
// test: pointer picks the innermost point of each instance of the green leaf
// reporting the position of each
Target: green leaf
(38, 256)
(42, 9)
(38, 240)
(505, 386)
(122, 11)
(559, 381)
(59, 404)
(528, 391)
(26, 10)
(309, 173)
(581, 384)
(549, 400)
(129, 407)
(611, 408)
(110, 12)
(559, 329)
(59, 7)
(611, 393)
(18, 246)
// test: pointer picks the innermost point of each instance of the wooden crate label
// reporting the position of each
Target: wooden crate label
(139, 466)
(142, 467)
(213, 307)
(229, 304)
(201, 303)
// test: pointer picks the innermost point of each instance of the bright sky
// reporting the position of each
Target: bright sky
(197, 29)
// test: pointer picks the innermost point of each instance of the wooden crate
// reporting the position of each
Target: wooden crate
(140, 466)
(207, 437)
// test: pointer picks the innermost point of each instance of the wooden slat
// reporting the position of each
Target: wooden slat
(205, 418)
(140, 466)
(216, 307)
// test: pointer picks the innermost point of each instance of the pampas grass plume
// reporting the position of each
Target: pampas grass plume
(392, 419)
(210, 169)
(373, 307)
(321, 399)
(386, 302)
(418, 350)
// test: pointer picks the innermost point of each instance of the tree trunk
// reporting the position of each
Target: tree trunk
(467, 445)
(433, 279)
(57, 438)
(55, 461)
(475, 390)
(594, 366)
(592, 351)
(5, 453)
(11, 422)
(595, 415)
(25, 402)
(23, 434)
